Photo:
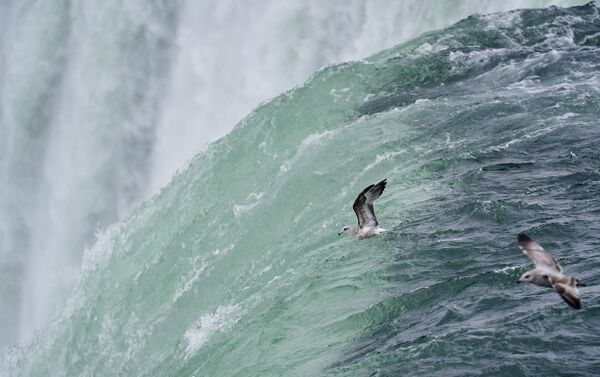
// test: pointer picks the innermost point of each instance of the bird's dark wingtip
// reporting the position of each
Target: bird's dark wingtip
(522, 237)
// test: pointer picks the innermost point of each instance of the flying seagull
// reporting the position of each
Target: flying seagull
(363, 207)
(548, 272)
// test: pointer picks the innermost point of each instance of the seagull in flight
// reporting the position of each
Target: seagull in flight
(363, 207)
(548, 272)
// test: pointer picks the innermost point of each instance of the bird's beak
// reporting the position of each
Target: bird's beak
(340, 233)
(518, 281)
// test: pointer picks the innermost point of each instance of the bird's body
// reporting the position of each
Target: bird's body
(365, 232)
(368, 225)
(548, 272)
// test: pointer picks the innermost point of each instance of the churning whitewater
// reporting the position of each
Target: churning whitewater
(102, 101)
(484, 130)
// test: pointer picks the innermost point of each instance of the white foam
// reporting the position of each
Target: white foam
(250, 202)
(380, 158)
(221, 320)
(507, 269)
(310, 141)
(589, 37)
(189, 281)
(536, 133)
(343, 94)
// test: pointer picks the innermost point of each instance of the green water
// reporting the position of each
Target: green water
(483, 130)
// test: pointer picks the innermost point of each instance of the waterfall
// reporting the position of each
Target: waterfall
(102, 101)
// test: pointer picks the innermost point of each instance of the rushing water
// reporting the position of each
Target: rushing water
(102, 101)
(484, 129)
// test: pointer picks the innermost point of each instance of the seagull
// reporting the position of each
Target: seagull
(363, 207)
(548, 272)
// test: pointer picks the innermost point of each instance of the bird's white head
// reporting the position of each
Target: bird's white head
(526, 277)
(345, 229)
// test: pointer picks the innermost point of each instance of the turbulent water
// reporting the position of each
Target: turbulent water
(483, 130)
(102, 101)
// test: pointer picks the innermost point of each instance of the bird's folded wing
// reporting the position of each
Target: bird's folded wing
(568, 292)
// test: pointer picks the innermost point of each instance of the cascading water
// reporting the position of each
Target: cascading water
(101, 102)
(483, 129)
(231, 56)
(80, 91)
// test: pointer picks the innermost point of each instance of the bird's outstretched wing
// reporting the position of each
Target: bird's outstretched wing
(363, 205)
(537, 254)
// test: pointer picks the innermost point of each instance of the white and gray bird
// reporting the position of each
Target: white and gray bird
(363, 207)
(548, 272)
